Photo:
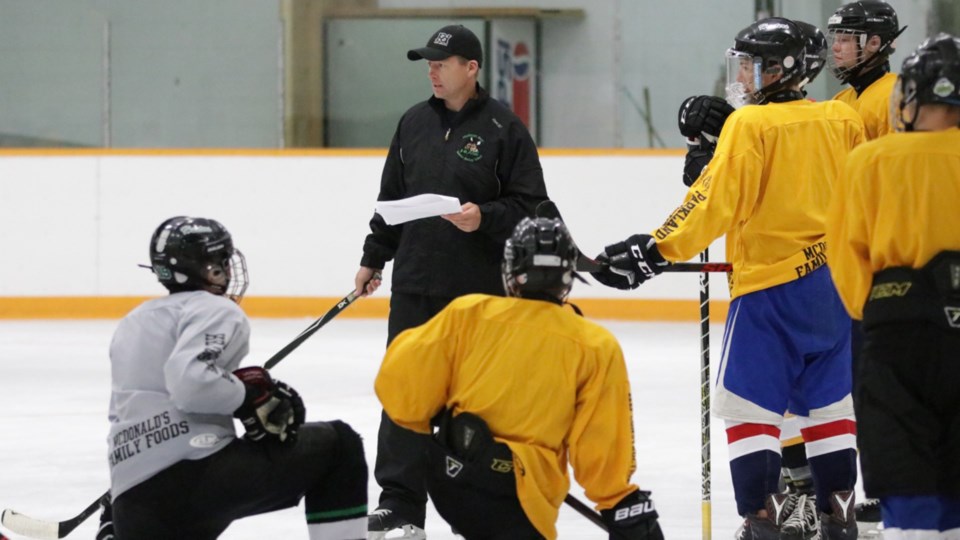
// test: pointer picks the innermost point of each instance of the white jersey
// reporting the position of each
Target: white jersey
(173, 393)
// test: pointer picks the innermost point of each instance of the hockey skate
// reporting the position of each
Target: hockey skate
(779, 507)
(842, 523)
(384, 524)
(869, 522)
(803, 522)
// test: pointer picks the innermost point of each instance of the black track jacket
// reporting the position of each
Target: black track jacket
(482, 154)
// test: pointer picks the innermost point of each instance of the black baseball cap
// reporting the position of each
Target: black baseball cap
(448, 41)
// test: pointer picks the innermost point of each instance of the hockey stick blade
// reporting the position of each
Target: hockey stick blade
(37, 528)
(548, 209)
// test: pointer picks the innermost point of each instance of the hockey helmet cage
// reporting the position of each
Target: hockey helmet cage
(860, 20)
(930, 75)
(767, 57)
(188, 253)
(539, 258)
(815, 53)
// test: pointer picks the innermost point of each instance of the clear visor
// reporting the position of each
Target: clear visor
(744, 78)
(846, 51)
(903, 105)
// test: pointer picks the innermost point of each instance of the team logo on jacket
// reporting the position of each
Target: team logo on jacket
(453, 467)
(501, 465)
(470, 151)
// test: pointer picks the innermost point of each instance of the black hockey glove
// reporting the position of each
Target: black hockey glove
(270, 408)
(697, 158)
(630, 262)
(633, 518)
(105, 532)
(701, 118)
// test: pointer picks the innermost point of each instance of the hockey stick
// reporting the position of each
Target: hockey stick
(585, 511)
(705, 502)
(312, 329)
(50, 530)
(548, 209)
(38, 528)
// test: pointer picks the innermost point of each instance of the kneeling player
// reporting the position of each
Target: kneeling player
(177, 468)
(516, 385)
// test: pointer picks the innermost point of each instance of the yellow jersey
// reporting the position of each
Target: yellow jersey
(896, 206)
(767, 189)
(549, 383)
(873, 105)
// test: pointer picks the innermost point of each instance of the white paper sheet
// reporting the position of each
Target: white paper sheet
(416, 207)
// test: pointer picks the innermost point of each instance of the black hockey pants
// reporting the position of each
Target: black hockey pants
(199, 499)
(471, 480)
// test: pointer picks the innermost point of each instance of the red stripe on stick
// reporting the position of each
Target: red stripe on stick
(744, 431)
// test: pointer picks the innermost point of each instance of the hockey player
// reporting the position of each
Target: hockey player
(520, 384)
(894, 252)
(177, 468)
(786, 344)
(862, 38)
(466, 144)
(701, 119)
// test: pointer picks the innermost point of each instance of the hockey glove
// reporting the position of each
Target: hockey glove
(633, 518)
(270, 408)
(702, 117)
(630, 263)
(697, 158)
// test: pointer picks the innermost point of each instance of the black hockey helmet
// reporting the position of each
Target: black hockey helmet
(861, 20)
(188, 254)
(769, 47)
(815, 52)
(930, 75)
(539, 257)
